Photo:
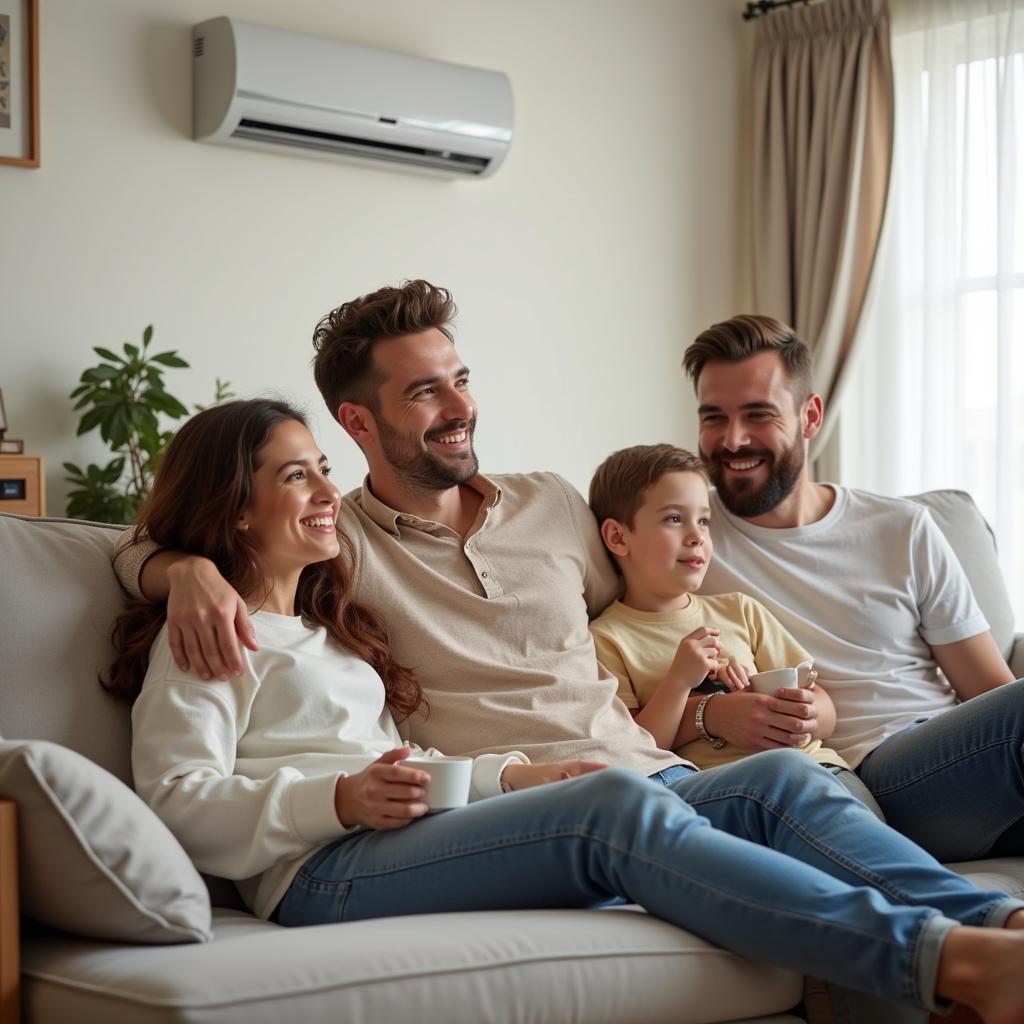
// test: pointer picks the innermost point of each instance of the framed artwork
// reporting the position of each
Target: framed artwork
(19, 83)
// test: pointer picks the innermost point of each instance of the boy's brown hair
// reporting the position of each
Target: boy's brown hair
(748, 335)
(620, 482)
(345, 337)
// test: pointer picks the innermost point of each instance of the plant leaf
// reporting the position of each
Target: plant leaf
(147, 335)
(106, 353)
(89, 421)
(169, 359)
(174, 408)
(112, 473)
(99, 374)
(118, 428)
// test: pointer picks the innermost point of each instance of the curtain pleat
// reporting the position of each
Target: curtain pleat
(823, 131)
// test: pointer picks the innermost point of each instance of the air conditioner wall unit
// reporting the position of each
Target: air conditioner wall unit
(266, 87)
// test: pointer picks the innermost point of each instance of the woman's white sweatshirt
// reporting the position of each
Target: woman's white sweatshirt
(244, 772)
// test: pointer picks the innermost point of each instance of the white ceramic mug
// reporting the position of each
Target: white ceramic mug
(769, 682)
(449, 779)
(788, 678)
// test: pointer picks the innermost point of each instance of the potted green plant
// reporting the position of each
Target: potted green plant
(125, 398)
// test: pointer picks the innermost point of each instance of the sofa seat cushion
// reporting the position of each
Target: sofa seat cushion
(1004, 874)
(93, 858)
(538, 966)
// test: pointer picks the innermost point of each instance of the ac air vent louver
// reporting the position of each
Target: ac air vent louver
(347, 145)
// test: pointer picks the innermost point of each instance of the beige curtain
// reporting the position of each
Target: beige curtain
(823, 124)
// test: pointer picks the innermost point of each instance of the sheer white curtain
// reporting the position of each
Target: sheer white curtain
(937, 396)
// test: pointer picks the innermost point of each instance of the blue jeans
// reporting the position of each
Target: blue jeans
(771, 845)
(955, 783)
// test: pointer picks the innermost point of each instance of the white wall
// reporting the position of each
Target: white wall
(610, 235)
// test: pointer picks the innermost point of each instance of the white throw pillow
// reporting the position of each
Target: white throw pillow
(92, 857)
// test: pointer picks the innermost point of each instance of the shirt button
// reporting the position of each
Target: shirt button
(484, 575)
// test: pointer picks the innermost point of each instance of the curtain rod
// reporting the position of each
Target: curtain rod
(759, 7)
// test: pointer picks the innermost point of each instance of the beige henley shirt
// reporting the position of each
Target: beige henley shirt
(495, 623)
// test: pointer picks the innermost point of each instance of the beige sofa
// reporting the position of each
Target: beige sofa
(117, 927)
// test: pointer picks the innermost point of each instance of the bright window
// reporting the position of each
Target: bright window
(937, 395)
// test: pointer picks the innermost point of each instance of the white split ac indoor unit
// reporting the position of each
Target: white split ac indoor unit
(259, 86)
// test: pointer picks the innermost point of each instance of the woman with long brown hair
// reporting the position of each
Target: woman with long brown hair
(289, 778)
(245, 485)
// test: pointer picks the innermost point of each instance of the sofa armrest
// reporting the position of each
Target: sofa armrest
(1016, 658)
(10, 954)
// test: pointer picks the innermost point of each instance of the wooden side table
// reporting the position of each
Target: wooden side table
(23, 484)
(10, 954)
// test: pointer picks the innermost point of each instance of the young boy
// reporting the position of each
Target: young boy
(662, 639)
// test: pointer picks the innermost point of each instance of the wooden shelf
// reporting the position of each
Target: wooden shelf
(23, 484)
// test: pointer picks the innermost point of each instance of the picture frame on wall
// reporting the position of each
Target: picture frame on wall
(19, 83)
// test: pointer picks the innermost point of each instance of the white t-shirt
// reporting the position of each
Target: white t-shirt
(243, 772)
(866, 590)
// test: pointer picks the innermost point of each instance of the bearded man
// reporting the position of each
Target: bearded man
(928, 712)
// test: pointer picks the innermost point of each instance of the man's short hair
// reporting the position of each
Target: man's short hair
(619, 484)
(745, 336)
(345, 337)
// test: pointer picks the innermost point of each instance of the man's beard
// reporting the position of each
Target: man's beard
(422, 468)
(741, 497)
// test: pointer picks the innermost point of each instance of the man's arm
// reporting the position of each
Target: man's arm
(758, 721)
(973, 666)
(206, 618)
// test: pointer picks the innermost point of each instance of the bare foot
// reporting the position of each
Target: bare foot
(960, 1015)
(983, 968)
(1015, 920)
(963, 1014)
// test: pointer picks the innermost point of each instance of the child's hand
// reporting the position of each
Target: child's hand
(734, 676)
(696, 656)
(523, 776)
(385, 795)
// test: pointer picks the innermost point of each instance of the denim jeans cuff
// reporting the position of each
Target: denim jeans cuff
(1000, 912)
(929, 948)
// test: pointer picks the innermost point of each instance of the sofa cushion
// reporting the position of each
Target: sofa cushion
(1001, 874)
(974, 544)
(543, 966)
(60, 598)
(93, 858)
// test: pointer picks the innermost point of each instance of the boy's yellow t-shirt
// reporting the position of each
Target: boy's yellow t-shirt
(638, 647)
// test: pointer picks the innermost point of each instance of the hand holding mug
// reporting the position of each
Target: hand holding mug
(385, 795)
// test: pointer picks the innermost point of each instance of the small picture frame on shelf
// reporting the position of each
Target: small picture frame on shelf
(8, 445)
